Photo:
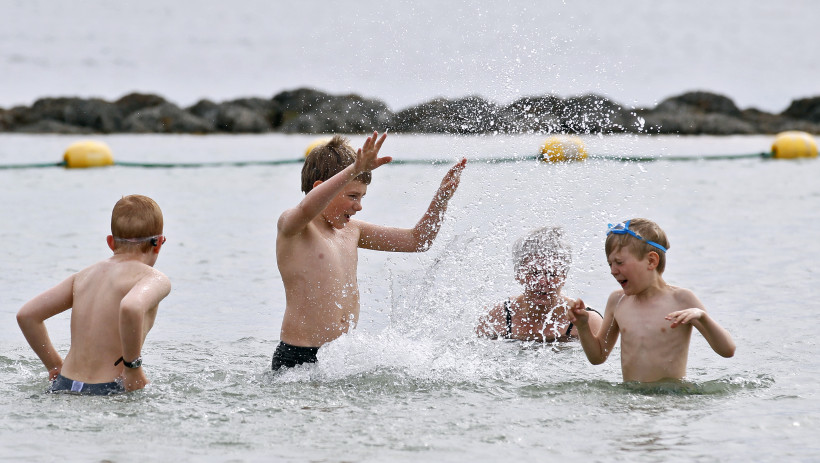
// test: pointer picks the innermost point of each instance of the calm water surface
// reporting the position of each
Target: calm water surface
(412, 383)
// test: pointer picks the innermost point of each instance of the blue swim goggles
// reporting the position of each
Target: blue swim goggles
(623, 229)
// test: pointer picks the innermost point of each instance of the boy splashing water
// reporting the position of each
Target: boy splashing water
(654, 319)
(318, 240)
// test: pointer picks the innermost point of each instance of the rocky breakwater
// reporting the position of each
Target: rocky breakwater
(313, 111)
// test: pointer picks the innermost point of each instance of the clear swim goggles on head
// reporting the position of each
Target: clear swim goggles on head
(155, 240)
(623, 229)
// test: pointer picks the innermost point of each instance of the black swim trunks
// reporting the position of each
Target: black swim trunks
(289, 356)
(64, 385)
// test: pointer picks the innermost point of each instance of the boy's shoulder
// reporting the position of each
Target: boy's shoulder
(683, 296)
(128, 271)
(615, 297)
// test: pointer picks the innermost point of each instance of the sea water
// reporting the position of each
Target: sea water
(412, 382)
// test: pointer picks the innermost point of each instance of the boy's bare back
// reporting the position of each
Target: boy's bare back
(113, 306)
(100, 291)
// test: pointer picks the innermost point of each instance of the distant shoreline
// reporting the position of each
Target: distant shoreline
(311, 111)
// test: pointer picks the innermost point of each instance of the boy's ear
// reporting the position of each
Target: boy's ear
(317, 183)
(654, 260)
(110, 240)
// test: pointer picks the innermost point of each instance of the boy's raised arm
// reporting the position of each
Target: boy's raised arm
(32, 317)
(296, 219)
(420, 237)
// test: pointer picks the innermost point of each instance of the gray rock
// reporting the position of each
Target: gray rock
(771, 123)
(697, 113)
(206, 110)
(470, 115)
(593, 114)
(692, 123)
(310, 111)
(306, 110)
(539, 114)
(165, 118)
(95, 114)
(807, 109)
(52, 126)
(699, 102)
(138, 101)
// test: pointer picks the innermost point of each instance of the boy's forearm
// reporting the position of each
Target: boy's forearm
(318, 198)
(592, 347)
(427, 228)
(718, 338)
(37, 336)
(131, 333)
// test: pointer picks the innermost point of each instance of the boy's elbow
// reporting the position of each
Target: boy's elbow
(423, 246)
(130, 309)
(596, 358)
(26, 319)
(22, 319)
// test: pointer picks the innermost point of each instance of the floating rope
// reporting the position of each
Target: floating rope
(429, 162)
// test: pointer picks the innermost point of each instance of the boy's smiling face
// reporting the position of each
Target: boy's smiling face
(346, 204)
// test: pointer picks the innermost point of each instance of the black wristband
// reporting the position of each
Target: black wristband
(135, 364)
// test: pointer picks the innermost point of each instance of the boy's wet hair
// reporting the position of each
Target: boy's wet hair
(134, 217)
(327, 160)
(546, 242)
(646, 229)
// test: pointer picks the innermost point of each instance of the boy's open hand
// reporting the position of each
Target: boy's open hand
(684, 316)
(578, 314)
(450, 181)
(367, 157)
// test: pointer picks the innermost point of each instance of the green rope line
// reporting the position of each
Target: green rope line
(208, 164)
(716, 157)
(32, 166)
(400, 162)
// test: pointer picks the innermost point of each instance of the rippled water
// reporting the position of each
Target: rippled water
(412, 383)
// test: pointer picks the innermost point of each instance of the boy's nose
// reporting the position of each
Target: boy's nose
(357, 206)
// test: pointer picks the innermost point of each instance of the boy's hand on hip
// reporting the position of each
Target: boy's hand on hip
(134, 379)
(367, 157)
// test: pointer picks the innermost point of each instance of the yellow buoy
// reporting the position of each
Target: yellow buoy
(563, 149)
(794, 144)
(317, 142)
(88, 154)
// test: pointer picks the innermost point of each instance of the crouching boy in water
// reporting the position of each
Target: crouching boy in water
(318, 240)
(653, 318)
(113, 306)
